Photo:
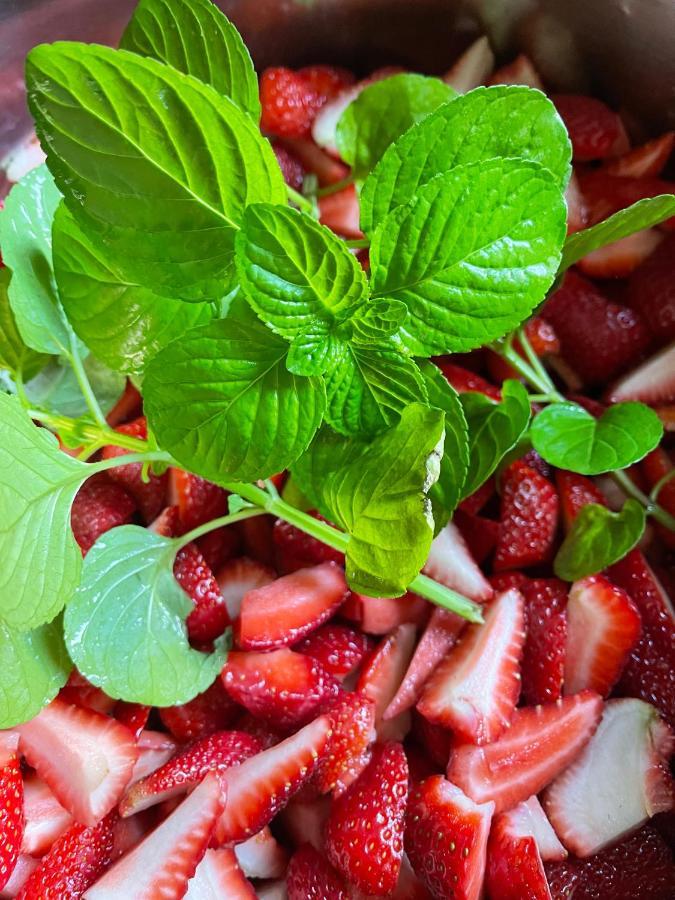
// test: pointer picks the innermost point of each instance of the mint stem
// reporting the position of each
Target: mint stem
(89, 432)
(336, 186)
(358, 244)
(77, 366)
(129, 459)
(300, 200)
(661, 483)
(653, 509)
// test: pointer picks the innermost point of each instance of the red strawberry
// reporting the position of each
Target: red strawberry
(291, 167)
(538, 463)
(436, 741)
(291, 99)
(504, 581)
(315, 160)
(651, 293)
(262, 785)
(382, 675)
(353, 725)
(162, 864)
(284, 688)
(133, 715)
(289, 608)
(302, 547)
(85, 757)
(74, 862)
(154, 749)
(575, 492)
(474, 503)
(12, 816)
(311, 877)
(653, 382)
(543, 666)
(219, 875)
(620, 258)
(237, 577)
(480, 534)
(99, 505)
(531, 817)
(128, 406)
(514, 866)
(24, 868)
(541, 742)
(262, 856)
(595, 130)
(216, 752)
(45, 818)
(603, 625)
(338, 648)
(655, 466)
(446, 837)
(208, 712)
(364, 831)
(606, 194)
(149, 495)
(639, 868)
(380, 615)
(340, 212)
(209, 619)
(599, 339)
(650, 671)
(303, 821)
(218, 546)
(475, 688)
(472, 68)
(198, 501)
(648, 159)
(529, 518)
(451, 564)
(463, 380)
(520, 71)
(81, 692)
(617, 782)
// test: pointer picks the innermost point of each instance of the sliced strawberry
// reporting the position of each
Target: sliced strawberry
(621, 258)
(606, 194)
(475, 688)
(296, 544)
(219, 875)
(382, 675)
(436, 742)
(451, 564)
(338, 648)
(648, 159)
(311, 877)
(291, 99)
(85, 757)
(475, 502)
(327, 169)
(463, 380)
(129, 832)
(45, 818)
(133, 715)
(83, 693)
(150, 495)
(364, 831)
(520, 71)
(595, 130)
(340, 212)
(575, 492)
(617, 782)
(198, 500)
(651, 292)
(504, 581)
(286, 610)
(514, 865)
(656, 466)
(303, 821)
(99, 505)
(162, 864)
(529, 518)
(265, 735)
(353, 725)
(291, 167)
(541, 742)
(472, 68)
(533, 818)
(214, 753)
(577, 210)
(446, 838)
(128, 406)
(24, 868)
(12, 816)
(237, 577)
(261, 786)
(208, 712)
(480, 534)
(284, 688)
(380, 615)
(653, 382)
(76, 859)
(262, 856)
(209, 619)
(543, 666)
(154, 749)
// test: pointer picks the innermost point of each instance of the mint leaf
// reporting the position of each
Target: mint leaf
(242, 415)
(293, 270)
(382, 112)
(41, 561)
(125, 626)
(195, 37)
(494, 428)
(15, 356)
(500, 121)
(35, 666)
(640, 215)
(471, 255)
(376, 491)
(568, 437)
(316, 350)
(159, 164)
(378, 320)
(447, 492)
(123, 324)
(56, 388)
(598, 538)
(370, 388)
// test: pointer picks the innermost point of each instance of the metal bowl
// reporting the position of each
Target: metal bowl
(623, 50)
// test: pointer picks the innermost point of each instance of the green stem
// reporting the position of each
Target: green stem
(653, 509)
(662, 482)
(299, 200)
(336, 186)
(82, 379)
(229, 519)
(91, 433)
(128, 459)
(358, 244)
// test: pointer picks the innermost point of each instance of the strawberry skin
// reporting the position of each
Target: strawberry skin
(353, 730)
(464, 380)
(529, 519)
(475, 688)
(209, 619)
(541, 742)
(595, 130)
(446, 838)
(514, 866)
(311, 877)
(149, 495)
(338, 648)
(291, 99)
(575, 492)
(99, 505)
(297, 545)
(364, 831)
(12, 817)
(208, 712)
(219, 875)
(198, 500)
(543, 665)
(651, 292)
(382, 675)
(291, 167)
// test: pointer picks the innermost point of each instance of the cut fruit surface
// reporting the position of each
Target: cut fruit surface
(514, 865)
(219, 875)
(451, 564)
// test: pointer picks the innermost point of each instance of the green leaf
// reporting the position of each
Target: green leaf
(598, 538)
(494, 428)
(40, 560)
(35, 666)
(570, 438)
(125, 626)
(316, 350)
(377, 320)
(383, 112)
(123, 324)
(501, 121)
(640, 215)
(370, 388)
(158, 163)
(56, 388)
(15, 356)
(447, 492)
(26, 241)
(471, 255)
(376, 491)
(196, 38)
(242, 416)
(293, 270)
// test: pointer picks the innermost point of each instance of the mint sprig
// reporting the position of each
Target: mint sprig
(598, 538)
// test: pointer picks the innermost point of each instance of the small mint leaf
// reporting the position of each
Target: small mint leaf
(235, 504)
(316, 350)
(598, 538)
(378, 320)
(15, 356)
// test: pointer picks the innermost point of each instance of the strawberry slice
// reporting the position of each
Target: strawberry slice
(133, 715)
(531, 817)
(214, 753)
(81, 692)
(198, 500)
(618, 781)
(353, 723)
(303, 821)
(529, 518)
(284, 688)
(575, 492)
(311, 877)
(651, 293)
(541, 742)
(480, 534)
(655, 466)
(621, 258)
(475, 688)
(340, 212)
(12, 816)
(603, 625)
(150, 495)
(296, 545)
(514, 864)
(463, 380)
(327, 169)
(577, 210)
(209, 619)
(128, 406)
(162, 864)
(520, 71)
(24, 868)
(451, 564)
(207, 712)
(606, 194)
(154, 749)
(380, 615)
(84, 757)
(45, 818)
(286, 610)
(262, 785)
(338, 648)
(446, 838)
(647, 160)
(239, 576)
(291, 99)
(219, 875)
(99, 505)
(364, 831)
(653, 382)
(262, 856)
(595, 130)
(76, 859)
(472, 68)
(381, 678)
(291, 167)
(543, 666)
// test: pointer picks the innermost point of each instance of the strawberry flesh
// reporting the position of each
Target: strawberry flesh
(595, 130)
(12, 816)
(220, 875)
(514, 866)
